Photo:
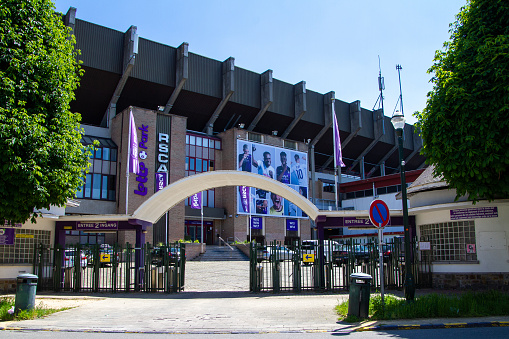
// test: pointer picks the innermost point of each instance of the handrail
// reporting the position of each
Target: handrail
(227, 244)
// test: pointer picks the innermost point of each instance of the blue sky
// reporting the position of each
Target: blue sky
(333, 45)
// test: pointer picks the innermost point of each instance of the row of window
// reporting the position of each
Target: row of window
(98, 187)
(200, 156)
(207, 199)
(368, 192)
(198, 165)
(203, 141)
(85, 238)
(100, 182)
(451, 241)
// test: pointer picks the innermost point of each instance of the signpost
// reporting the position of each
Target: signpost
(308, 258)
(379, 216)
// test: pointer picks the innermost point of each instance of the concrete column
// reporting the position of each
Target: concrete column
(328, 99)
(378, 133)
(355, 127)
(181, 76)
(128, 59)
(299, 94)
(228, 90)
(70, 18)
(266, 97)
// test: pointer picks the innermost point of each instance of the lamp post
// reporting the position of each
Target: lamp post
(398, 121)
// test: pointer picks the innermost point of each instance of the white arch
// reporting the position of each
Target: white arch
(154, 207)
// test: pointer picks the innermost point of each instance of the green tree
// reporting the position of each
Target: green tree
(465, 125)
(42, 159)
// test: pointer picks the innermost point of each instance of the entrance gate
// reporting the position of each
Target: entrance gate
(275, 267)
(104, 268)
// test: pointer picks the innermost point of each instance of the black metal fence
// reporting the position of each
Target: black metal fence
(275, 267)
(104, 268)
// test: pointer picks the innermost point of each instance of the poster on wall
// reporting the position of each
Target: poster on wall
(7, 236)
(286, 166)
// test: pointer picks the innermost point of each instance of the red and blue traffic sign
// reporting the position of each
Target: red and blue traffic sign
(379, 213)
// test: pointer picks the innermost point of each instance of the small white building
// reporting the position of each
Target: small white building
(467, 242)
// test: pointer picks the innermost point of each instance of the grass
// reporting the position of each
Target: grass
(37, 312)
(469, 304)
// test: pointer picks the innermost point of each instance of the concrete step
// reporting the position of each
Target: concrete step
(222, 253)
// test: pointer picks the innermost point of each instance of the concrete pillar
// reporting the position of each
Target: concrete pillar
(299, 95)
(266, 97)
(181, 76)
(228, 90)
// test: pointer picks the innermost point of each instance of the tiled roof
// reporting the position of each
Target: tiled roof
(427, 181)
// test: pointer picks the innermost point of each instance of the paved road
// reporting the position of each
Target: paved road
(215, 301)
(204, 276)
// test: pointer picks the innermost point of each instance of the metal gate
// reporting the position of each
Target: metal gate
(275, 267)
(105, 268)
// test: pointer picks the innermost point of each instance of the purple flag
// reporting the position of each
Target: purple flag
(244, 198)
(337, 141)
(196, 201)
(133, 145)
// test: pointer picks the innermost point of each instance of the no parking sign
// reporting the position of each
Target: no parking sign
(379, 216)
(379, 213)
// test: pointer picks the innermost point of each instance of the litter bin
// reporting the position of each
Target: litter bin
(26, 287)
(358, 304)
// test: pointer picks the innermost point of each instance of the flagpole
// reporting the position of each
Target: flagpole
(249, 220)
(127, 164)
(335, 161)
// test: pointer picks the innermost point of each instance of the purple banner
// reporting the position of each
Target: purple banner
(337, 140)
(160, 181)
(133, 144)
(196, 201)
(256, 223)
(100, 226)
(292, 225)
(354, 222)
(474, 213)
(244, 198)
(6, 236)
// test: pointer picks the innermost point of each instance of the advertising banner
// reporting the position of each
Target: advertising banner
(256, 223)
(6, 236)
(292, 224)
(286, 166)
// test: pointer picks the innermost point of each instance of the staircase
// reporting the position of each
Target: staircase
(222, 253)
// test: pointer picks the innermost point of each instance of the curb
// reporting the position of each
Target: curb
(113, 331)
(433, 326)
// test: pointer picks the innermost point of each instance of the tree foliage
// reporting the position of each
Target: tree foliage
(465, 125)
(42, 159)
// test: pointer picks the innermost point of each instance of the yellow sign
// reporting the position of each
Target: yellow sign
(67, 227)
(105, 257)
(25, 236)
(308, 257)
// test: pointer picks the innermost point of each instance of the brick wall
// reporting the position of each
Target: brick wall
(471, 281)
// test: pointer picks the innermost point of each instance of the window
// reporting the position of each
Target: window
(200, 156)
(100, 181)
(449, 240)
(328, 187)
(290, 144)
(254, 137)
(22, 252)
